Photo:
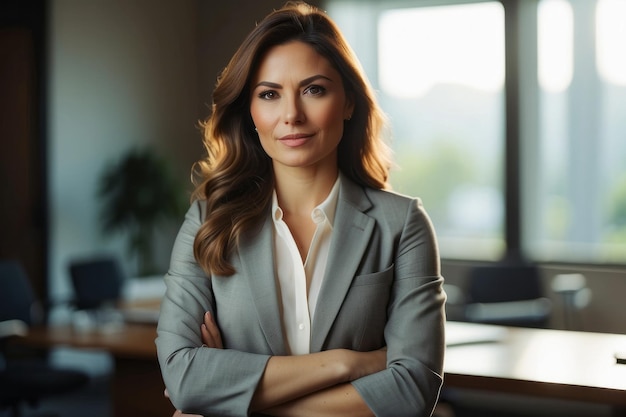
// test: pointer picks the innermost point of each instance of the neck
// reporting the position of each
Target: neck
(299, 192)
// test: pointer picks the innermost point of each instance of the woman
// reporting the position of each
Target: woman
(298, 286)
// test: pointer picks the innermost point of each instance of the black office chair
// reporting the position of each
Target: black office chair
(24, 379)
(507, 293)
(97, 282)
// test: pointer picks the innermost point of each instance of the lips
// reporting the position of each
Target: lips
(296, 139)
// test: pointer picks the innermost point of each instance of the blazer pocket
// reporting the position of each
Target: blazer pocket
(360, 325)
(374, 278)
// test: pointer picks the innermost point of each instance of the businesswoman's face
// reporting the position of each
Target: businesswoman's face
(298, 106)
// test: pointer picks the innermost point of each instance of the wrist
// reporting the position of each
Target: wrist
(342, 363)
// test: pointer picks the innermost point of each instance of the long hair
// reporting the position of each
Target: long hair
(236, 178)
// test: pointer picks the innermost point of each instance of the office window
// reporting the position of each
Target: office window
(611, 62)
(439, 70)
(439, 73)
(582, 132)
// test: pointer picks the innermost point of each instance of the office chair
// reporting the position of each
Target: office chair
(97, 282)
(25, 380)
(507, 293)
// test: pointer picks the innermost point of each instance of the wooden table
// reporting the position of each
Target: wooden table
(136, 385)
(561, 364)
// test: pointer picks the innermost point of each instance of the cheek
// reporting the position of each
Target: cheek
(262, 117)
(324, 112)
(332, 119)
(254, 113)
(261, 123)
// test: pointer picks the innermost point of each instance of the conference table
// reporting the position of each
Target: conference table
(136, 385)
(570, 365)
(559, 364)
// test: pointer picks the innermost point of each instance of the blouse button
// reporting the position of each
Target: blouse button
(317, 216)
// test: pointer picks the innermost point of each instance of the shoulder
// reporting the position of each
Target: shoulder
(196, 213)
(391, 198)
(390, 208)
(364, 197)
(395, 209)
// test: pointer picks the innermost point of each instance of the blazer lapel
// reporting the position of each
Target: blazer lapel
(353, 230)
(256, 256)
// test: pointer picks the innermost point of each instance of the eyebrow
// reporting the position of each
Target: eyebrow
(301, 84)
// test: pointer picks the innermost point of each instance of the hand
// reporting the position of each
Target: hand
(179, 413)
(211, 336)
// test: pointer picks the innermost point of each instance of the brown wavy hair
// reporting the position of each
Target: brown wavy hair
(236, 178)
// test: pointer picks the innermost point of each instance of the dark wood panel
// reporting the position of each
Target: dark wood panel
(23, 197)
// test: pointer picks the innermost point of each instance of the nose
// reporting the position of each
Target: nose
(293, 110)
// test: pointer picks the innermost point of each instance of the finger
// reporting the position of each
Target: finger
(212, 331)
(179, 413)
(206, 336)
(167, 394)
(207, 339)
(216, 335)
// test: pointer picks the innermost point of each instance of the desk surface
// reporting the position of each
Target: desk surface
(539, 362)
(136, 386)
(536, 362)
(124, 341)
(131, 339)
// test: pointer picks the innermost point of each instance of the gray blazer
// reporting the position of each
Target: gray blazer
(382, 287)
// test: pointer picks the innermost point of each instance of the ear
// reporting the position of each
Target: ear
(349, 107)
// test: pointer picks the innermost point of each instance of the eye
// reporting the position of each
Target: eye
(315, 90)
(268, 95)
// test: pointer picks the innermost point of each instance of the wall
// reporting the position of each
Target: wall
(222, 27)
(122, 73)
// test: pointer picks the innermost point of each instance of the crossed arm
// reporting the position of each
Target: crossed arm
(316, 383)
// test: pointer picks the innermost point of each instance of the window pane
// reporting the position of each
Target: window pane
(555, 70)
(582, 130)
(611, 63)
(441, 77)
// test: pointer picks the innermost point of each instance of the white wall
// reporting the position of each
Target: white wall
(122, 73)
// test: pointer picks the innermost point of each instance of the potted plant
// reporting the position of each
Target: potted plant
(138, 194)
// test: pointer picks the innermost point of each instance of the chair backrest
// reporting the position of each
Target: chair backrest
(96, 282)
(508, 294)
(17, 298)
(504, 282)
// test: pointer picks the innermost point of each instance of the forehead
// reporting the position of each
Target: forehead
(293, 59)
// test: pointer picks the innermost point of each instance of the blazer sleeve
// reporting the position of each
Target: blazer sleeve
(414, 332)
(199, 379)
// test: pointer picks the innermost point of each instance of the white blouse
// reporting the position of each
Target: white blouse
(299, 284)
